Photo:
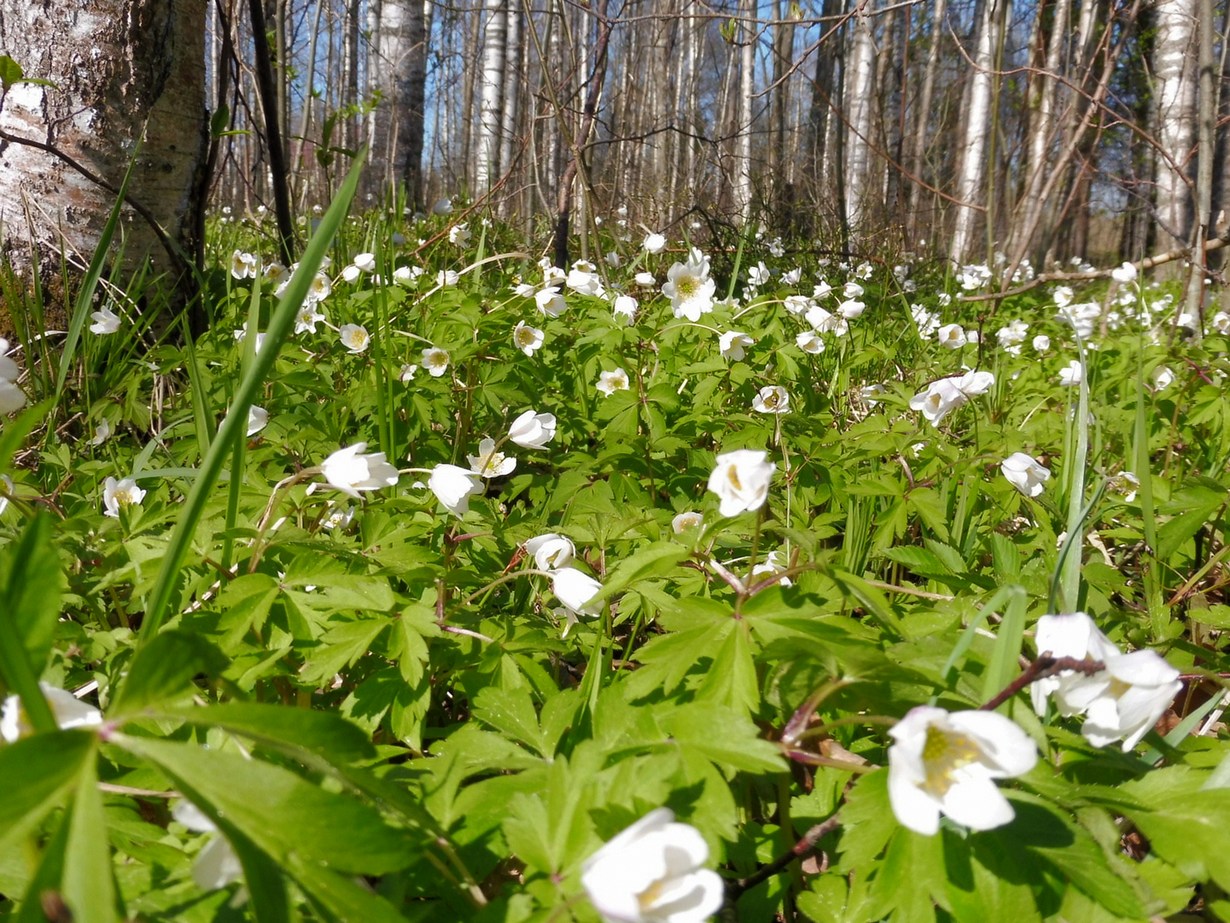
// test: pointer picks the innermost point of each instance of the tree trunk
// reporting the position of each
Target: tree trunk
(972, 173)
(491, 104)
(398, 69)
(1174, 72)
(859, 96)
(142, 82)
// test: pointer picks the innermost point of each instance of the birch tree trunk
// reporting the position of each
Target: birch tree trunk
(123, 73)
(491, 102)
(397, 70)
(972, 172)
(859, 92)
(743, 141)
(916, 195)
(1174, 72)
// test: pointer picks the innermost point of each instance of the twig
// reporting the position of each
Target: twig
(805, 845)
(1044, 666)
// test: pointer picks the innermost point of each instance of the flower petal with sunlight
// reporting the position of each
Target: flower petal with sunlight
(1025, 473)
(453, 486)
(946, 763)
(351, 470)
(532, 430)
(653, 872)
(741, 480)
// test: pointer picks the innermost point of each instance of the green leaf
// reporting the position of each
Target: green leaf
(163, 671)
(340, 897)
(35, 772)
(724, 737)
(10, 72)
(33, 588)
(511, 712)
(653, 560)
(297, 732)
(731, 680)
(281, 813)
(89, 882)
(27, 618)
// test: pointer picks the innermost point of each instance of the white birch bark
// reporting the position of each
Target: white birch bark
(971, 174)
(491, 101)
(859, 96)
(397, 72)
(1174, 62)
(123, 72)
(742, 190)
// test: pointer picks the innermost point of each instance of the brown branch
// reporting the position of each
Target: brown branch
(1213, 243)
(1044, 666)
(806, 844)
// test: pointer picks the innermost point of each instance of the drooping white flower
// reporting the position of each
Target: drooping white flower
(654, 243)
(453, 486)
(741, 480)
(689, 287)
(1025, 473)
(612, 381)
(1122, 701)
(105, 321)
(122, 493)
(352, 469)
(575, 589)
(526, 338)
(653, 872)
(1124, 274)
(351, 272)
(759, 276)
(1041, 343)
(244, 265)
(823, 321)
(583, 278)
(1072, 374)
(406, 373)
(973, 382)
(102, 432)
(688, 519)
(446, 278)
(946, 763)
(68, 710)
(338, 517)
(551, 550)
(435, 361)
(1163, 378)
(442, 207)
(550, 302)
(645, 279)
(258, 418)
(809, 341)
(1012, 336)
(732, 344)
(851, 309)
(770, 565)
(355, 338)
(938, 400)
(489, 462)
(951, 336)
(625, 307)
(459, 235)
(216, 865)
(532, 430)
(772, 399)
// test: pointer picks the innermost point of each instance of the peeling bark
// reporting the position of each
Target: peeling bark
(124, 72)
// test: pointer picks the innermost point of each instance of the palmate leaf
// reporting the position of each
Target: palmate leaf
(281, 813)
(36, 772)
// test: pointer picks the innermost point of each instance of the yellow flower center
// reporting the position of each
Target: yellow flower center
(687, 286)
(732, 475)
(943, 754)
